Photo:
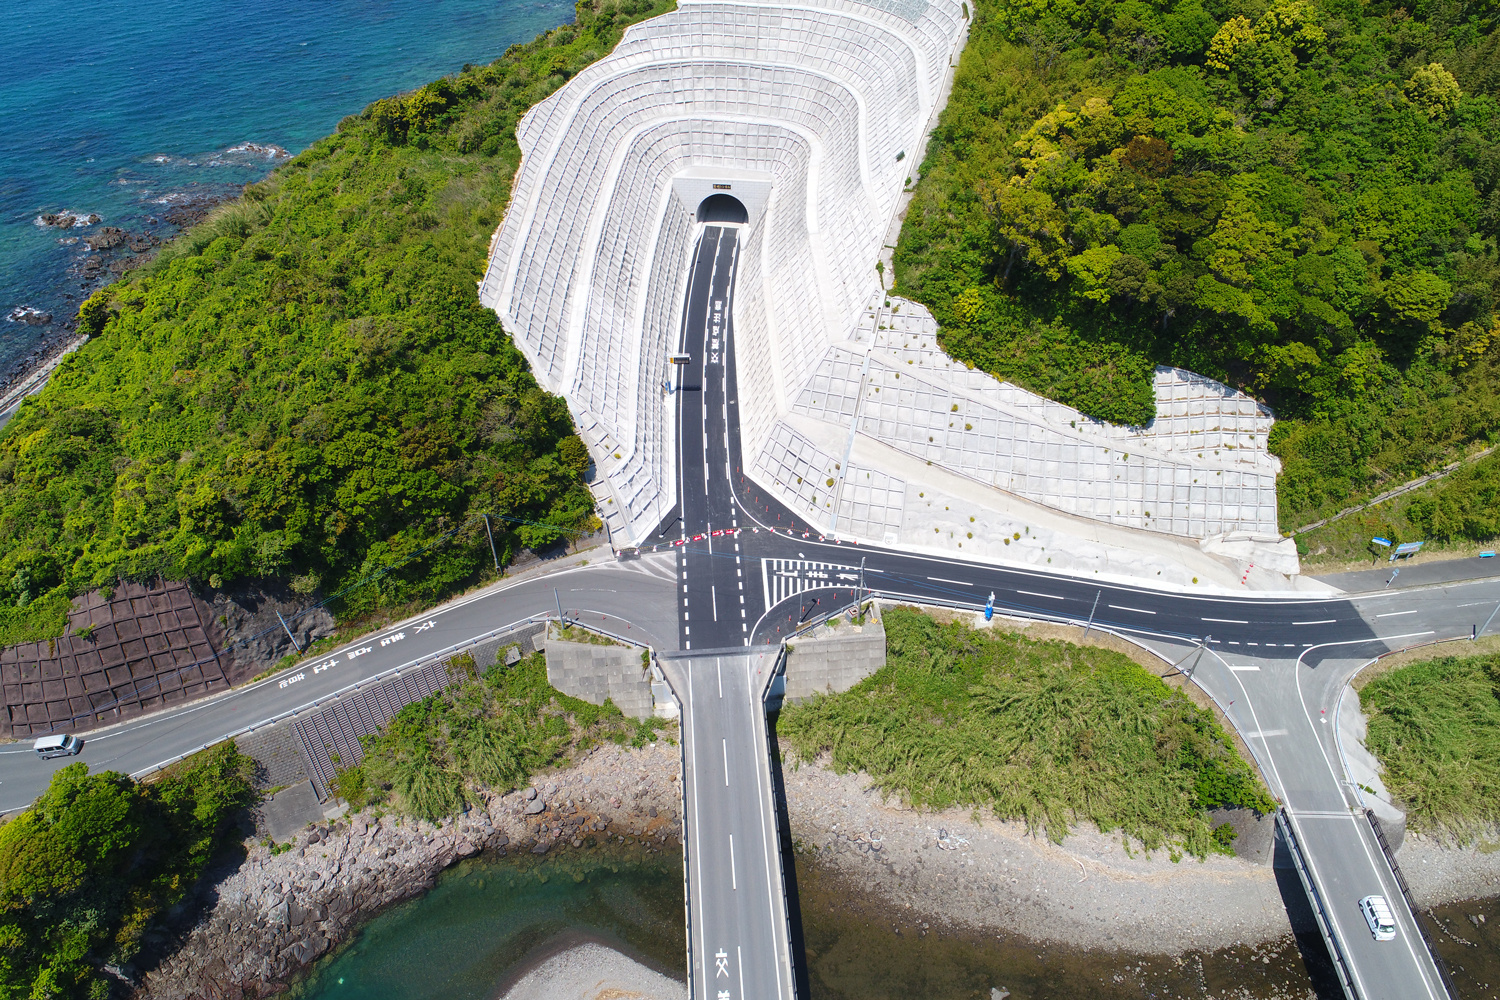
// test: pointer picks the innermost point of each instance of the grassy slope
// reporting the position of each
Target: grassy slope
(492, 731)
(1435, 726)
(305, 386)
(1045, 732)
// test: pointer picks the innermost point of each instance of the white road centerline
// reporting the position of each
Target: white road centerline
(1248, 666)
(1226, 621)
(1139, 611)
(961, 583)
(1032, 593)
(1321, 621)
(734, 882)
(1393, 614)
(725, 743)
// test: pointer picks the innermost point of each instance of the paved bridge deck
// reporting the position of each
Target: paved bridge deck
(739, 941)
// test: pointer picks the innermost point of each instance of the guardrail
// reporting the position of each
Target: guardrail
(362, 682)
(1416, 917)
(1315, 899)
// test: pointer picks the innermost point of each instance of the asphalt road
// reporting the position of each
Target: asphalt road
(740, 947)
(719, 590)
(631, 598)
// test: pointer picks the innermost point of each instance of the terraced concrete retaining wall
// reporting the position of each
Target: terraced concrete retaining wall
(596, 672)
(832, 660)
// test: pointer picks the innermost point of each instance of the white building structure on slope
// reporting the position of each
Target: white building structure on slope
(815, 114)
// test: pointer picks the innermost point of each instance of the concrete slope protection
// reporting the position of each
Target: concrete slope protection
(801, 124)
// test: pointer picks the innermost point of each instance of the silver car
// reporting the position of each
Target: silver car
(1379, 916)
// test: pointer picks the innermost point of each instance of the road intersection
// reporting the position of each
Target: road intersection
(746, 572)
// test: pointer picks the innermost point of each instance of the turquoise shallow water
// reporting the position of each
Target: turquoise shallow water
(123, 109)
(489, 918)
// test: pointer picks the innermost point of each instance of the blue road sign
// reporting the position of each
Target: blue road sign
(1382, 541)
(989, 607)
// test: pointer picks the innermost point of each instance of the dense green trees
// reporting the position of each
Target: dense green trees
(85, 869)
(305, 386)
(1298, 197)
(1045, 732)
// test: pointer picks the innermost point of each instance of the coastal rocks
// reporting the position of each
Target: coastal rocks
(67, 219)
(29, 316)
(270, 150)
(281, 910)
(107, 238)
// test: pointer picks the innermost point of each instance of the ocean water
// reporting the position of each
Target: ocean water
(127, 110)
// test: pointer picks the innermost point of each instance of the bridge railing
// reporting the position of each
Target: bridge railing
(1390, 857)
(1319, 908)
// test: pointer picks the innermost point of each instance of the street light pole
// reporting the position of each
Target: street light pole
(491, 535)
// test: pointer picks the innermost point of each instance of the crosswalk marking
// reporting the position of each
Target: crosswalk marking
(783, 578)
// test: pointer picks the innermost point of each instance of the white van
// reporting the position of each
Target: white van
(1378, 915)
(57, 745)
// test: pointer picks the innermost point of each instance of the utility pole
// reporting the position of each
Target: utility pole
(559, 607)
(1097, 594)
(491, 535)
(289, 635)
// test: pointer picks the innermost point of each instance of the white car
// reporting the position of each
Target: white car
(57, 746)
(1379, 916)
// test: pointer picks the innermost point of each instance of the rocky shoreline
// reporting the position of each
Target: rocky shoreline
(282, 909)
(286, 906)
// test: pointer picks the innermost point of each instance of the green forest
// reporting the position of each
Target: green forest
(85, 870)
(305, 386)
(1046, 732)
(491, 730)
(1297, 197)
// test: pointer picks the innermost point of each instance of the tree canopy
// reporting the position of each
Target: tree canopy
(1298, 197)
(85, 869)
(306, 386)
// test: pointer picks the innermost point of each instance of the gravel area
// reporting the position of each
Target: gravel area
(981, 873)
(1440, 873)
(594, 972)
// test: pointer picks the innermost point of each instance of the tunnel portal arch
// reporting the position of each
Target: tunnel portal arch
(722, 208)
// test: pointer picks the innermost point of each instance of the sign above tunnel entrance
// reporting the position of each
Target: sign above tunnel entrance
(697, 187)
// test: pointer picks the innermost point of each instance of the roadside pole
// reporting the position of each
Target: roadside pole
(1097, 594)
(491, 535)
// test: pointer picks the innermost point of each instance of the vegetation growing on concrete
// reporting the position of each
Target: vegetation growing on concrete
(1046, 732)
(84, 871)
(306, 386)
(1294, 196)
(1435, 727)
(493, 731)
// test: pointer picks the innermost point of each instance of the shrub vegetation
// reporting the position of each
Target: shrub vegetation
(1435, 726)
(490, 731)
(1046, 732)
(305, 385)
(1298, 197)
(85, 869)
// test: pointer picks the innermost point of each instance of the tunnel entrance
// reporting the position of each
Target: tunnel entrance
(722, 208)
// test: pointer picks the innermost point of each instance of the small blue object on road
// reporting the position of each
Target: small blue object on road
(1486, 555)
(989, 607)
